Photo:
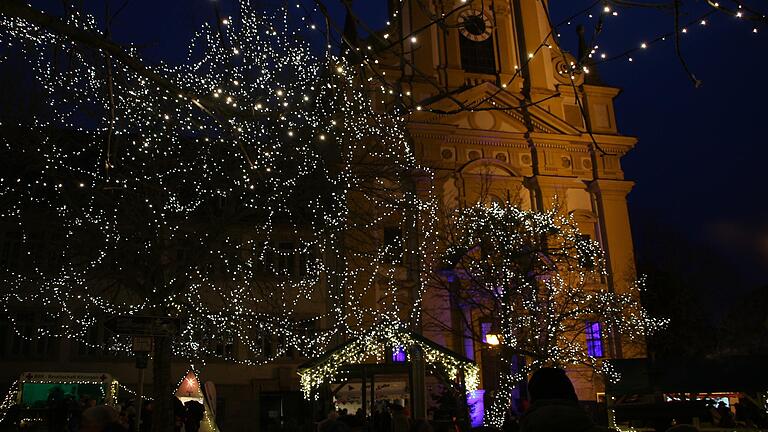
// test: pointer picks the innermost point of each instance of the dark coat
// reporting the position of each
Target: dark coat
(558, 415)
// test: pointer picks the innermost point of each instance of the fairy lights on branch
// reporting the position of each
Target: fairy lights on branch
(377, 343)
(233, 221)
(538, 281)
(9, 400)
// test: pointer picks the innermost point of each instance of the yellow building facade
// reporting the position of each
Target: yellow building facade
(501, 113)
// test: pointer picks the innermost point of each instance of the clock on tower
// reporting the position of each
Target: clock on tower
(476, 42)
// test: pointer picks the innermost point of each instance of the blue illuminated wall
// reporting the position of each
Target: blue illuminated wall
(476, 407)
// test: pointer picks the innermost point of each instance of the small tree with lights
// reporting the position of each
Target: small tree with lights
(530, 285)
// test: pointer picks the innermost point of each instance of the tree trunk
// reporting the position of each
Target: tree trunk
(162, 415)
(503, 395)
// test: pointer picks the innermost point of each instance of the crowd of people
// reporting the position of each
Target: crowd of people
(123, 417)
(552, 406)
(386, 417)
(65, 413)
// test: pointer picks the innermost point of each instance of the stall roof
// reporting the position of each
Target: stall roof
(372, 343)
(415, 336)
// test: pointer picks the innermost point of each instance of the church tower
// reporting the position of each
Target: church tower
(502, 113)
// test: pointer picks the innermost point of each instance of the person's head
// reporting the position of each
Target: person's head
(551, 383)
(98, 418)
(333, 415)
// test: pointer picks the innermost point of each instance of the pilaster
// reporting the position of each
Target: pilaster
(550, 191)
(610, 201)
(533, 30)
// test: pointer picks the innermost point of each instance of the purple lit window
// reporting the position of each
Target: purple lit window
(398, 355)
(485, 328)
(594, 339)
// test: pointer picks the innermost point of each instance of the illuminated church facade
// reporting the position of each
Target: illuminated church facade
(501, 114)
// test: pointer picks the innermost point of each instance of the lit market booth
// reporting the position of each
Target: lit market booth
(36, 392)
(190, 390)
(37, 389)
(700, 391)
(378, 368)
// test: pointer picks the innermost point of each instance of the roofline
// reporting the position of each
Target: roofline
(421, 338)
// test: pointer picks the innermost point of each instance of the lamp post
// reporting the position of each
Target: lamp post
(141, 346)
(492, 339)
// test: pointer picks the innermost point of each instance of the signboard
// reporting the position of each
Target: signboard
(65, 377)
(141, 344)
(144, 325)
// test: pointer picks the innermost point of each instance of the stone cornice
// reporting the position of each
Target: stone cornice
(618, 144)
(452, 134)
(611, 92)
(608, 187)
(553, 182)
(541, 119)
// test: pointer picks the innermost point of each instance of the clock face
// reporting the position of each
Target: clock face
(475, 25)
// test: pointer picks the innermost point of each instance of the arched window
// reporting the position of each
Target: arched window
(594, 339)
(478, 57)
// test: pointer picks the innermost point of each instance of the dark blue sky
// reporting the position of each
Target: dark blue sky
(702, 157)
(700, 161)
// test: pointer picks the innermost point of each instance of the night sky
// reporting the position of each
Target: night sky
(701, 161)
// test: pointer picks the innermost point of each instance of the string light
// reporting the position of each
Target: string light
(702, 20)
(374, 344)
(9, 400)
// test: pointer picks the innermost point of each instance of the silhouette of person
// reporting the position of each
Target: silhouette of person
(554, 405)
